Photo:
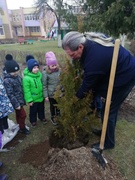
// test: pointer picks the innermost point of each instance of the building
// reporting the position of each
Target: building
(23, 22)
(5, 25)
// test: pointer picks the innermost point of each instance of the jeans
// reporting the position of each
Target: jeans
(118, 96)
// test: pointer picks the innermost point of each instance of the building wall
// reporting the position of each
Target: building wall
(24, 22)
(5, 21)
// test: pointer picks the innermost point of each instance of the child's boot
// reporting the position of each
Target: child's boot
(24, 131)
(53, 120)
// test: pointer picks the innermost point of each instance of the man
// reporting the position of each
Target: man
(95, 51)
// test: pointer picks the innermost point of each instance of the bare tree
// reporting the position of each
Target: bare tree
(57, 8)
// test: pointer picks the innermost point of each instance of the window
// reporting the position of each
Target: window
(34, 29)
(1, 30)
(31, 17)
(16, 18)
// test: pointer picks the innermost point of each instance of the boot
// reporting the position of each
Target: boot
(53, 120)
(24, 131)
(3, 177)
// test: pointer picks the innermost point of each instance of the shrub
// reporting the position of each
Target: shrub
(74, 123)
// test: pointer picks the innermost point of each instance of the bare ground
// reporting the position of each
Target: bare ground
(75, 164)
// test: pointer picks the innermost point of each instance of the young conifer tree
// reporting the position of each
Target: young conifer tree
(74, 121)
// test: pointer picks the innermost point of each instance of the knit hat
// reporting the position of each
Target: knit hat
(31, 63)
(28, 57)
(11, 66)
(9, 57)
(50, 58)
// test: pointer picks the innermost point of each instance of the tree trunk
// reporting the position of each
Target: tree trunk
(59, 40)
(59, 32)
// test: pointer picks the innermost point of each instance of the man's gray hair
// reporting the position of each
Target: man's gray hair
(73, 39)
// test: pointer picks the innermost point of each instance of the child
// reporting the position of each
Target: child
(5, 119)
(5, 109)
(33, 91)
(13, 86)
(50, 81)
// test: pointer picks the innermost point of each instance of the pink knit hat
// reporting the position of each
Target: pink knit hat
(50, 58)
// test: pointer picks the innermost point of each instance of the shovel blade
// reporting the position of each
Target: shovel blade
(99, 156)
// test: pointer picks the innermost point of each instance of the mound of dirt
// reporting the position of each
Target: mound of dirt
(76, 164)
(64, 164)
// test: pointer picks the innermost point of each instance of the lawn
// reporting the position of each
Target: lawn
(37, 49)
(37, 46)
(123, 154)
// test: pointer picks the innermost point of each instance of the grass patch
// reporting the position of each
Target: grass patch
(123, 154)
(37, 46)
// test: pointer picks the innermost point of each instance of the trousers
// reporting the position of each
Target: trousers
(118, 96)
(20, 117)
(37, 109)
(54, 109)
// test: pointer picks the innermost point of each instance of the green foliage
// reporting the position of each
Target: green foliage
(74, 121)
(111, 17)
(120, 17)
(71, 20)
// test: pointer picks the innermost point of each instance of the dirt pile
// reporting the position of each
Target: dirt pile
(76, 164)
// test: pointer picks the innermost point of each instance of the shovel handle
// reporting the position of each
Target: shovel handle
(109, 92)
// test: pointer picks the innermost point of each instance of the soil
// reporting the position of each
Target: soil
(72, 164)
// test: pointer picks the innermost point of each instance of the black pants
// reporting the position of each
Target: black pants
(118, 96)
(54, 109)
(3, 124)
(37, 109)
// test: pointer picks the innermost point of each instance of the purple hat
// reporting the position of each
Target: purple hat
(50, 58)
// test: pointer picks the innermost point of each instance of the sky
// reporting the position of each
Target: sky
(16, 4)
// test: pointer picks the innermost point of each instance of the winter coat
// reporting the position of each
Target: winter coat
(96, 62)
(50, 82)
(3, 72)
(32, 86)
(5, 104)
(13, 86)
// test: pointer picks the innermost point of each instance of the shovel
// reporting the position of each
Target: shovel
(98, 152)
